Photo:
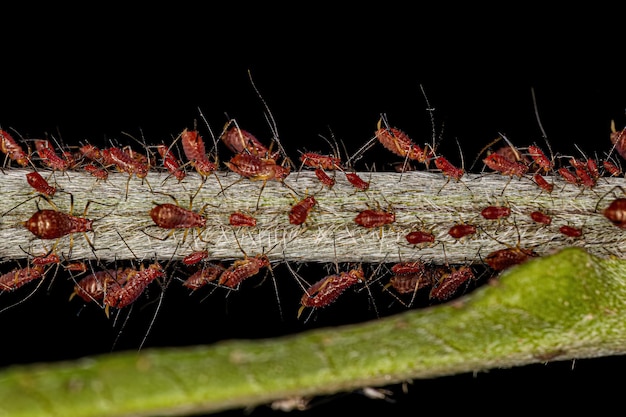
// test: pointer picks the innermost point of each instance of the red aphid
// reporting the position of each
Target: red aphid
(540, 217)
(418, 236)
(51, 258)
(618, 139)
(240, 140)
(170, 162)
(324, 178)
(616, 212)
(398, 142)
(124, 162)
(448, 169)
(40, 184)
(505, 258)
(49, 156)
(584, 178)
(328, 289)
(91, 152)
(408, 268)
(543, 183)
(570, 231)
(98, 172)
(200, 278)
(195, 257)
(20, 276)
(124, 295)
(92, 287)
(172, 216)
(300, 211)
(374, 218)
(611, 168)
(540, 158)
(320, 161)
(449, 283)
(459, 231)
(495, 212)
(12, 149)
(504, 165)
(243, 269)
(410, 283)
(357, 181)
(241, 219)
(193, 147)
(567, 175)
(257, 168)
(52, 224)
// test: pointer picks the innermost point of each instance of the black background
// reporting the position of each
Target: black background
(90, 75)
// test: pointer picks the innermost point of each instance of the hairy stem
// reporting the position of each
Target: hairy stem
(420, 200)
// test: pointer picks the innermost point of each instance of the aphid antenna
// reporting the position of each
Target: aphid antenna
(269, 117)
(607, 193)
(431, 112)
(213, 150)
(543, 132)
(484, 149)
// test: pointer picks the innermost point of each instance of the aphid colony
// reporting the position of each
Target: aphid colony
(119, 287)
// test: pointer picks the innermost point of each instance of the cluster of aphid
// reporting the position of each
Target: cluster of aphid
(253, 160)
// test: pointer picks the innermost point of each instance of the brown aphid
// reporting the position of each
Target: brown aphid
(374, 218)
(449, 283)
(208, 273)
(459, 231)
(571, 231)
(243, 269)
(195, 257)
(20, 276)
(238, 218)
(124, 295)
(540, 217)
(495, 212)
(328, 289)
(616, 212)
(53, 224)
(418, 236)
(300, 211)
(502, 259)
(92, 287)
(172, 216)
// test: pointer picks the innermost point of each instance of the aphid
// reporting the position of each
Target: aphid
(124, 162)
(398, 142)
(243, 269)
(98, 172)
(408, 268)
(208, 273)
(75, 267)
(328, 289)
(300, 211)
(239, 140)
(448, 169)
(540, 158)
(124, 295)
(195, 257)
(495, 212)
(410, 283)
(357, 181)
(20, 276)
(54, 224)
(51, 258)
(419, 236)
(505, 166)
(170, 162)
(238, 218)
(449, 283)
(257, 168)
(568, 175)
(12, 149)
(49, 156)
(540, 217)
(324, 178)
(92, 287)
(374, 218)
(194, 149)
(502, 259)
(541, 181)
(616, 212)
(618, 139)
(40, 184)
(570, 231)
(611, 168)
(316, 160)
(461, 230)
(173, 216)
(91, 152)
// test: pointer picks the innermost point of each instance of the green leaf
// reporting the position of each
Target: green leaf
(564, 306)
